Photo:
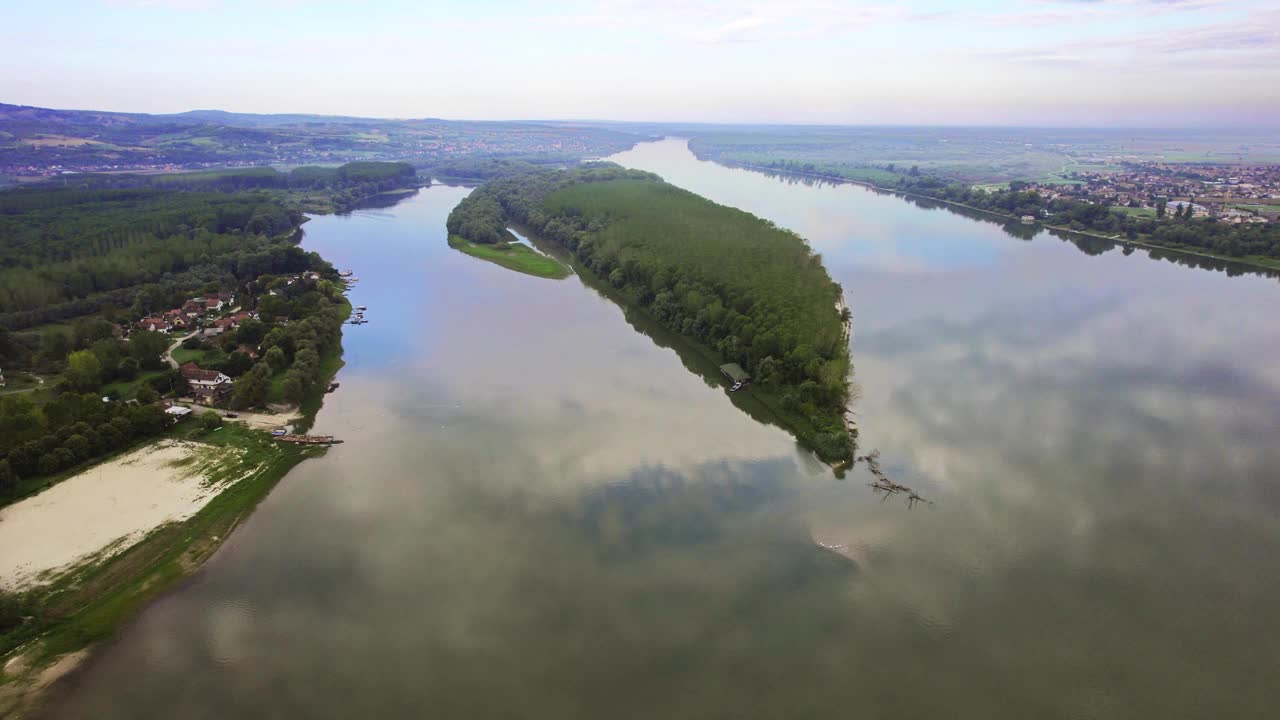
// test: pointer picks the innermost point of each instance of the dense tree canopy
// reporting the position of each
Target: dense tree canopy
(71, 428)
(736, 283)
(70, 252)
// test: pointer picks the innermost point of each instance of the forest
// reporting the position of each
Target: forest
(72, 250)
(753, 293)
(79, 265)
(343, 185)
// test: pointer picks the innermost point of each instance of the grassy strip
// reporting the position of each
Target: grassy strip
(88, 605)
(129, 388)
(513, 256)
(182, 355)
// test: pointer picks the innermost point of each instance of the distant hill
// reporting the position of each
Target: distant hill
(222, 117)
(28, 114)
(36, 142)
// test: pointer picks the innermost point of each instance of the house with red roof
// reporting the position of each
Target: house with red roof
(207, 386)
(154, 324)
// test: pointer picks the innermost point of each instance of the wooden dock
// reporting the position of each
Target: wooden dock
(309, 439)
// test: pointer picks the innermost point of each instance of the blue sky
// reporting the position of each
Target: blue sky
(1018, 62)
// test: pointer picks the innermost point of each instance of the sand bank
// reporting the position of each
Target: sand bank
(103, 510)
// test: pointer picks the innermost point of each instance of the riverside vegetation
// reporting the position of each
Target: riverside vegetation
(79, 266)
(740, 287)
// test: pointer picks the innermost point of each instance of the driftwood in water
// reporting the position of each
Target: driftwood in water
(883, 484)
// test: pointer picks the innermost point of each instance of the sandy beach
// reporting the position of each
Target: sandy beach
(103, 510)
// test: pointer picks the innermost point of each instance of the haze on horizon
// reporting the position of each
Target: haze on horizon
(1146, 63)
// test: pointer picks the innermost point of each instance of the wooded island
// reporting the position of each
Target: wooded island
(736, 285)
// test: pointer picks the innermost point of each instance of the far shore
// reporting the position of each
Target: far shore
(1261, 264)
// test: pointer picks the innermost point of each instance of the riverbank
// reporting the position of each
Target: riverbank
(101, 542)
(1251, 261)
(756, 400)
(235, 467)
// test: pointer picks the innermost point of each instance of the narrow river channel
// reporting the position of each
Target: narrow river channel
(540, 512)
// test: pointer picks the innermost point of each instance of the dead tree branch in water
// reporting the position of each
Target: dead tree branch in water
(883, 484)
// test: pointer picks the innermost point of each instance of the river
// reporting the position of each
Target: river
(540, 512)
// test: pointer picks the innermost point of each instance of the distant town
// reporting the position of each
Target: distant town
(1229, 193)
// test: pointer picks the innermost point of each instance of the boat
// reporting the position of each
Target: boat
(308, 439)
(345, 273)
(361, 307)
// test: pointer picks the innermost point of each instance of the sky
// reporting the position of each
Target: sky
(1148, 63)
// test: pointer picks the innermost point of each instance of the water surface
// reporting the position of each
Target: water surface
(540, 512)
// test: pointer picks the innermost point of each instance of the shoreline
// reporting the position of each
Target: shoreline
(1263, 265)
(796, 425)
(91, 600)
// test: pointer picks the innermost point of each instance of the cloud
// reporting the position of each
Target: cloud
(1251, 44)
(734, 30)
(712, 23)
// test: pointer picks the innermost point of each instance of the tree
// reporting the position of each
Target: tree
(54, 345)
(210, 421)
(146, 395)
(110, 436)
(60, 459)
(294, 386)
(252, 387)
(147, 348)
(251, 332)
(79, 447)
(127, 369)
(87, 332)
(84, 371)
(1160, 209)
(237, 364)
(276, 358)
(8, 478)
(25, 459)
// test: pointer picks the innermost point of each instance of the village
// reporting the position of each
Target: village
(1229, 193)
(208, 324)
